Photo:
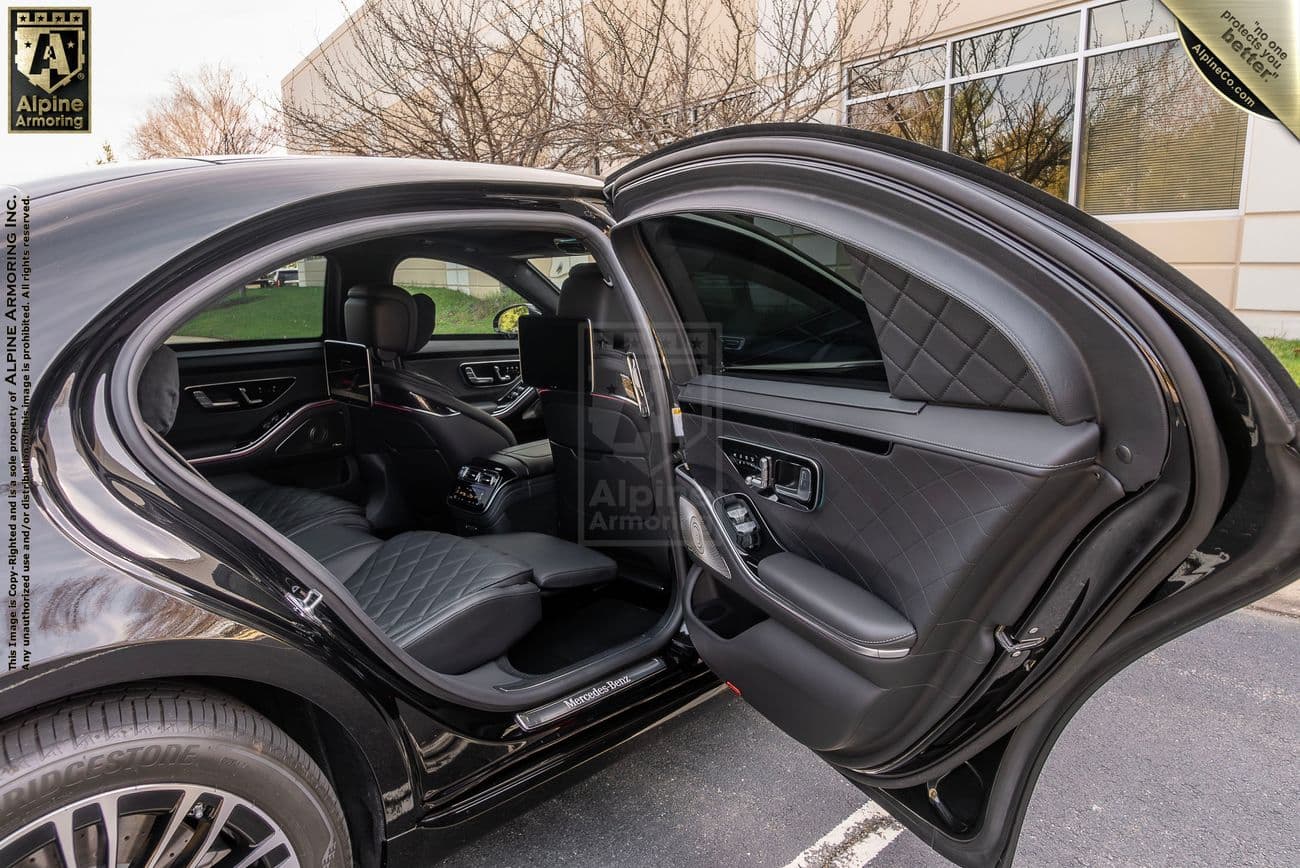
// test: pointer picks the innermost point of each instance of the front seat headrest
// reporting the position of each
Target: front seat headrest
(159, 391)
(388, 319)
(585, 295)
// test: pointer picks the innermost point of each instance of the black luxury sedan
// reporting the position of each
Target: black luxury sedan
(907, 454)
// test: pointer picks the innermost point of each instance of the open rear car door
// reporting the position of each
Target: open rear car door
(954, 454)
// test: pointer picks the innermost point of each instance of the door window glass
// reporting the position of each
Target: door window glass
(763, 297)
(467, 299)
(287, 303)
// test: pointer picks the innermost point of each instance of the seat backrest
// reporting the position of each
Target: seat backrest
(599, 438)
(418, 433)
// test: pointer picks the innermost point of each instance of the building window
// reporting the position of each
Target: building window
(1131, 20)
(1019, 122)
(1098, 105)
(1012, 46)
(916, 115)
(1157, 137)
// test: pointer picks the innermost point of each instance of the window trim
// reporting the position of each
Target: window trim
(1080, 55)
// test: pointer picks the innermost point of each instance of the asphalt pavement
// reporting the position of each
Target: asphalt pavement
(1187, 758)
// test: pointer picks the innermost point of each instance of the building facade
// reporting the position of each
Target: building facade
(1095, 102)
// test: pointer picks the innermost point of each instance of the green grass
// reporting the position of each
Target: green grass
(1289, 352)
(276, 313)
(253, 314)
(462, 314)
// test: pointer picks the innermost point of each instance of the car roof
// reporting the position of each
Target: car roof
(410, 169)
(96, 234)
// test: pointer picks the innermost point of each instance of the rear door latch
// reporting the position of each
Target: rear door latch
(305, 600)
(1015, 647)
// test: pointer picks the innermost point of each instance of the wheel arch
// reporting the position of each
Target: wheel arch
(345, 730)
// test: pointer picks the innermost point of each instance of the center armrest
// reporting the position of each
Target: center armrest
(525, 460)
(838, 603)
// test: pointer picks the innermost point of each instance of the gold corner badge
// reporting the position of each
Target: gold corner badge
(1248, 50)
(49, 70)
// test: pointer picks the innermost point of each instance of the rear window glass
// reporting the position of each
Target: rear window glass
(285, 304)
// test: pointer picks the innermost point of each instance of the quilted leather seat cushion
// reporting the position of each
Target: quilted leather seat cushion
(556, 563)
(290, 510)
(449, 602)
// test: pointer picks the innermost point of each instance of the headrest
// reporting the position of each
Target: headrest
(388, 319)
(159, 391)
(586, 295)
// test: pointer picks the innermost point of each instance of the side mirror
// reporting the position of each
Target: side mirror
(506, 322)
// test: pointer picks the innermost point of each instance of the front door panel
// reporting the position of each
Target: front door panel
(483, 372)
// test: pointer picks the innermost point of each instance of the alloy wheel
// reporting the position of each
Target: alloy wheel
(152, 826)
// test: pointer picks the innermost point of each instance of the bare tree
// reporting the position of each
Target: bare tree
(583, 83)
(438, 78)
(656, 71)
(214, 112)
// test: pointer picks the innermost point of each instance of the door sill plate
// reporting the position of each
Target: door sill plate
(545, 715)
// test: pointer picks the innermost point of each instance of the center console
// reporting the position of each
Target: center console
(510, 490)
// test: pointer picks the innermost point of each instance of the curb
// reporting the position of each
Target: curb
(1283, 602)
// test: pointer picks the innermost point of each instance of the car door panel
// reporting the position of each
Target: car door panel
(482, 372)
(1066, 420)
(264, 410)
(942, 539)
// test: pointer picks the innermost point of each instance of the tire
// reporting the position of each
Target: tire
(181, 772)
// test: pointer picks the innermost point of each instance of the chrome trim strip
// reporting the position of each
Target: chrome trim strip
(847, 642)
(248, 449)
(402, 408)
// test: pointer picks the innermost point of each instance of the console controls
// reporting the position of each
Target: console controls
(475, 487)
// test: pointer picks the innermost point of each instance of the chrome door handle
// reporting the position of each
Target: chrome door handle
(801, 490)
(474, 379)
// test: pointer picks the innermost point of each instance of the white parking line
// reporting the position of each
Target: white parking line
(853, 843)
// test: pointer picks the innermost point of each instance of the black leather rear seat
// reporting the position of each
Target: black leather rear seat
(449, 602)
(289, 509)
(452, 603)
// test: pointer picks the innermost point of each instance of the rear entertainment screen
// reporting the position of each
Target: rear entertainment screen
(347, 372)
(555, 352)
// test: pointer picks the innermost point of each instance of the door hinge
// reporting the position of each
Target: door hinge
(305, 600)
(1015, 647)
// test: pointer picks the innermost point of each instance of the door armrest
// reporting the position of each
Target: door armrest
(835, 602)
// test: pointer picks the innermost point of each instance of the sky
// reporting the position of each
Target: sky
(136, 47)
